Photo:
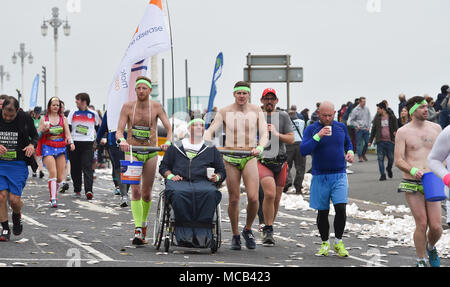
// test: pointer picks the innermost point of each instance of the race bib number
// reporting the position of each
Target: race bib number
(141, 133)
(83, 130)
(9, 155)
(56, 130)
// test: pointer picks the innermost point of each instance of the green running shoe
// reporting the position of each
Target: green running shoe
(324, 249)
(340, 249)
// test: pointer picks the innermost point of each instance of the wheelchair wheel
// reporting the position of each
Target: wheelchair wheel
(166, 244)
(219, 226)
(217, 236)
(160, 218)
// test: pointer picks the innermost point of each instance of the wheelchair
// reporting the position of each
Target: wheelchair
(165, 224)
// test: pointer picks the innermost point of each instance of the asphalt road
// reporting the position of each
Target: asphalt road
(99, 232)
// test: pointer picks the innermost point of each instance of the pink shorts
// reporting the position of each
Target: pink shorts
(280, 177)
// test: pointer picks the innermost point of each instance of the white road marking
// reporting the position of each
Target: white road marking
(214, 263)
(88, 248)
(94, 207)
(371, 263)
(282, 214)
(31, 221)
(105, 189)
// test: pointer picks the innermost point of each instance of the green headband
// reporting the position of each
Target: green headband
(414, 108)
(242, 89)
(196, 121)
(144, 81)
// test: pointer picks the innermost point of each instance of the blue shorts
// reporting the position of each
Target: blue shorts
(324, 187)
(54, 151)
(13, 176)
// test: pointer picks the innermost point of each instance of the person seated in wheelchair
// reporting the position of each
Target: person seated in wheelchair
(193, 195)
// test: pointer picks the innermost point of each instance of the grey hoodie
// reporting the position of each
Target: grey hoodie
(360, 117)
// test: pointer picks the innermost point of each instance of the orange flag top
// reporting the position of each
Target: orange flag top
(157, 3)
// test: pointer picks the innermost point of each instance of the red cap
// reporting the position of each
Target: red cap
(267, 91)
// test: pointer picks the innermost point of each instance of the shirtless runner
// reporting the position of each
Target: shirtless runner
(413, 143)
(141, 118)
(241, 121)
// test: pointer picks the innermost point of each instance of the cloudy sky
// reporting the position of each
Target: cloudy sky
(347, 48)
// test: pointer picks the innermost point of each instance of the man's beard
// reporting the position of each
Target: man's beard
(269, 108)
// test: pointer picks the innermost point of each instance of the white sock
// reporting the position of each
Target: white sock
(429, 247)
(337, 240)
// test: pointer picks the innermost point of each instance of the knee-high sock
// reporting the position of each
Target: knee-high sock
(52, 188)
(145, 211)
(136, 210)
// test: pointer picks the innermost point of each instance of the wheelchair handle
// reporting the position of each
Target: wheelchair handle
(145, 148)
(235, 152)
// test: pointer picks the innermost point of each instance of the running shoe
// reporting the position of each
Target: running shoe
(433, 257)
(137, 240)
(116, 191)
(250, 242)
(64, 187)
(34, 174)
(4, 236)
(124, 201)
(89, 195)
(268, 236)
(77, 195)
(324, 249)
(41, 174)
(17, 223)
(340, 249)
(236, 242)
(421, 263)
(53, 204)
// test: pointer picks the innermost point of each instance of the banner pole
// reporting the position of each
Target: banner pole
(173, 77)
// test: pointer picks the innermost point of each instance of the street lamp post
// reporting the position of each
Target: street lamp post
(55, 23)
(3, 73)
(22, 55)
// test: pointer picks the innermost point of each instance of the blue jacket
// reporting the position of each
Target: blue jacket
(104, 129)
(176, 160)
(328, 154)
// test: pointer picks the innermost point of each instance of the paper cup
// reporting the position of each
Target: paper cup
(330, 129)
(210, 171)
